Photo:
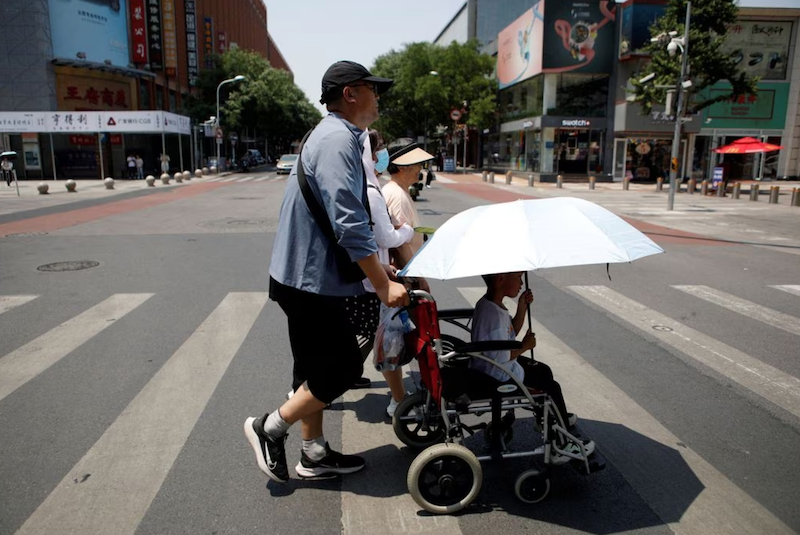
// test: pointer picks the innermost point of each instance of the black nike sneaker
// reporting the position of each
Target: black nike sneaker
(333, 464)
(270, 451)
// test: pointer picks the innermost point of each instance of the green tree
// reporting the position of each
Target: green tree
(708, 62)
(419, 100)
(268, 102)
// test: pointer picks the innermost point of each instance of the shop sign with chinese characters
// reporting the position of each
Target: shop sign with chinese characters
(766, 109)
(138, 23)
(154, 35)
(20, 121)
(90, 93)
(208, 41)
(760, 47)
(222, 42)
(191, 41)
(170, 37)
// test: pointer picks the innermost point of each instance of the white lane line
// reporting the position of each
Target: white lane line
(720, 508)
(770, 383)
(746, 308)
(8, 302)
(25, 363)
(363, 513)
(110, 489)
(793, 289)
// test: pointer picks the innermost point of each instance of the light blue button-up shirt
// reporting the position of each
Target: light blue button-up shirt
(302, 256)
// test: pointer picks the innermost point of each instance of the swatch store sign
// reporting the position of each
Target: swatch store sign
(576, 123)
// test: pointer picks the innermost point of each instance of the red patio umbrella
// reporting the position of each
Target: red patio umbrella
(747, 145)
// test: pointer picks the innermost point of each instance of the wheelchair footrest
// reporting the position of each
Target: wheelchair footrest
(597, 462)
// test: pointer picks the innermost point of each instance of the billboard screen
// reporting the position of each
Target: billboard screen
(98, 28)
(519, 47)
(579, 36)
(636, 20)
(760, 48)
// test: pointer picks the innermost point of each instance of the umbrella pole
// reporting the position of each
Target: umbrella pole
(528, 306)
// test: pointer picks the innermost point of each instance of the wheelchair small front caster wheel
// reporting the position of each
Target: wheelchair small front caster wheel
(417, 425)
(445, 478)
(532, 486)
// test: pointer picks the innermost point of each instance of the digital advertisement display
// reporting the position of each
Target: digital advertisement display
(519, 47)
(760, 48)
(97, 28)
(579, 36)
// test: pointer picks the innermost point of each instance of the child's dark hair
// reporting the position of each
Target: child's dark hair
(489, 279)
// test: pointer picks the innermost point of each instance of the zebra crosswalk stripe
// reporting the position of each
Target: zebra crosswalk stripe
(9, 302)
(721, 507)
(793, 289)
(25, 363)
(129, 463)
(695, 347)
(744, 307)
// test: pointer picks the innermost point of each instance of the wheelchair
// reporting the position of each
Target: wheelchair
(446, 476)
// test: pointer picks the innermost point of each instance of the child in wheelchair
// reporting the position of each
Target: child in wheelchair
(492, 321)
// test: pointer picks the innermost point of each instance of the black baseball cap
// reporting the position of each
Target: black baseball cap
(343, 73)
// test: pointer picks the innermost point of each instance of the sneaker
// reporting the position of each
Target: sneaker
(270, 451)
(362, 382)
(558, 458)
(390, 410)
(334, 463)
(572, 419)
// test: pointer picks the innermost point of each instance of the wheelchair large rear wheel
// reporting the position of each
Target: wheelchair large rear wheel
(532, 486)
(445, 478)
(417, 423)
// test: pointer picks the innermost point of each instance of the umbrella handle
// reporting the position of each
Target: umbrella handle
(528, 306)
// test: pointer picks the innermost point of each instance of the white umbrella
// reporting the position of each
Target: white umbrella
(525, 235)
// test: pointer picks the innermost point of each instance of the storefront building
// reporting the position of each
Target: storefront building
(125, 55)
(554, 66)
(765, 42)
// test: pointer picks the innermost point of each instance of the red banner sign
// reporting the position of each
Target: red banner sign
(138, 19)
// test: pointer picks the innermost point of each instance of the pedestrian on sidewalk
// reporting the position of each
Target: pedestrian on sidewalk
(7, 167)
(131, 166)
(139, 167)
(164, 159)
(308, 282)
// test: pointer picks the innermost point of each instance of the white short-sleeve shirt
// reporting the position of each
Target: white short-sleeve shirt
(491, 322)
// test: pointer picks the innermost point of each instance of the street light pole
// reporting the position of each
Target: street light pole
(676, 139)
(238, 78)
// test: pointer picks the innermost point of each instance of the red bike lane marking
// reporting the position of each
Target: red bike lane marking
(657, 233)
(48, 223)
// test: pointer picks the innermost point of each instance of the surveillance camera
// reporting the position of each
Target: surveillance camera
(647, 78)
(672, 48)
(673, 33)
(686, 84)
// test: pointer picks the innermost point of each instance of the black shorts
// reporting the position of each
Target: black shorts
(324, 346)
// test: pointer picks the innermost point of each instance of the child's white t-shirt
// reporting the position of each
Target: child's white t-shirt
(491, 322)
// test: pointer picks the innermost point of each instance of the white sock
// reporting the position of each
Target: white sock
(315, 448)
(276, 426)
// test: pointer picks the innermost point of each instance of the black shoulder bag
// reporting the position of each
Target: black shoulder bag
(349, 270)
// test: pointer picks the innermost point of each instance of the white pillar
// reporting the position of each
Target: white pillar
(100, 151)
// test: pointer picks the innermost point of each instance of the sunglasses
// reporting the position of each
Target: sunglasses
(374, 87)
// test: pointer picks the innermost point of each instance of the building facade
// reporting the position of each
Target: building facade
(113, 55)
(563, 68)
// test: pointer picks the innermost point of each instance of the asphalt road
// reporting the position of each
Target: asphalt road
(124, 386)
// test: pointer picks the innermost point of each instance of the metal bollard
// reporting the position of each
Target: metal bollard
(691, 186)
(754, 192)
(484, 176)
(530, 180)
(591, 182)
(660, 184)
(796, 197)
(704, 187)
(491, 177)
(559, 181)
(626, 183)
(774, 192)
(737, 188)
(508, 177)
(721, 189)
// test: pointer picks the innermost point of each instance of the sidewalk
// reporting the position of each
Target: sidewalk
(728, 219)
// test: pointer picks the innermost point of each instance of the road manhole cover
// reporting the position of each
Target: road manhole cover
(72, 265)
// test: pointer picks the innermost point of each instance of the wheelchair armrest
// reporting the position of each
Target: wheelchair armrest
(456, 313)
(490, 345)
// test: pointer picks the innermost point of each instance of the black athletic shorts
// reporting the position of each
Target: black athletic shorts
(323, 340)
